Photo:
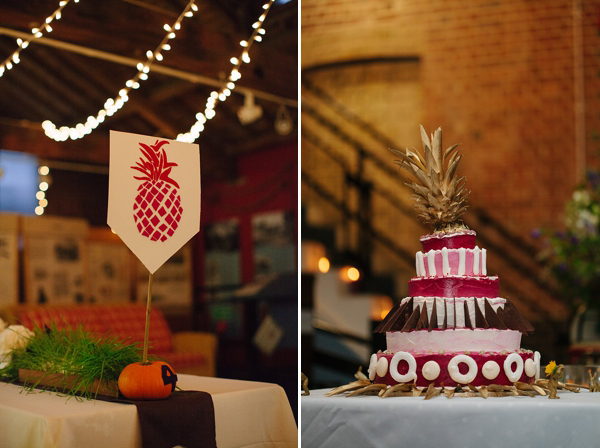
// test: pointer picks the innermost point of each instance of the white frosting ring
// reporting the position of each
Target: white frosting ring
(530, 368)
(430, 370)
(513, 375)
(455, 373)
(412, 367)
(373, 366)
(490, 370)
(537, 358)
(382, 367)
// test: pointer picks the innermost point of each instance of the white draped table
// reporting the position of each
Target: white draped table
(412, 422)
(247, 414)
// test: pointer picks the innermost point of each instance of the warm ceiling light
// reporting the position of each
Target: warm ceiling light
(349, 274)
(323, 265)
(249, 112)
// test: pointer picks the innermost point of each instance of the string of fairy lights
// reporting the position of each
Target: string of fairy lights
(228, 85)
(44, 176)
(36, 33)
(113, 105)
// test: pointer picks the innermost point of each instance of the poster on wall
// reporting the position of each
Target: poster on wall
(222, 272)
(109, 272)
(9, 260)
(274, 244)
(171, 284)
(54, 258)
(222, 248)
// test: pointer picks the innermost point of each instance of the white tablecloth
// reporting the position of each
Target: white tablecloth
(247, 414)
(370, 421)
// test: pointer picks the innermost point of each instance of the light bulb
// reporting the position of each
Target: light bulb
(323, 265)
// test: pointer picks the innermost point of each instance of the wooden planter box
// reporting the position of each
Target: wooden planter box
(65, 383)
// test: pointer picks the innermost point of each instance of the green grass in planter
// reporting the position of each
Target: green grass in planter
(73, 352)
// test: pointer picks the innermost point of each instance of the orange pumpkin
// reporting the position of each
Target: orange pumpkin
(151, 381)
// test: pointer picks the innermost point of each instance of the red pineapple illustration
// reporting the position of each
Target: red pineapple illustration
(157, 207)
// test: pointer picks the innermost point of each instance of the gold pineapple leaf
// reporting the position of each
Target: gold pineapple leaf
(439, 196)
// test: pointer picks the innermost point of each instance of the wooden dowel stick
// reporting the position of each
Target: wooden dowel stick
(147, 331)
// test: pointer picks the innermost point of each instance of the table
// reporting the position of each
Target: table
(247, 414)
(370, 421)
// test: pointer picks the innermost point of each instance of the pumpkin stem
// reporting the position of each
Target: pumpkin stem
(147, 331)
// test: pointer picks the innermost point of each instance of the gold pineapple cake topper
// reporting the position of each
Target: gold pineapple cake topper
(440, 197)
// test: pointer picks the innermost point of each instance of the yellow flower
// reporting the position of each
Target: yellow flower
(551, 367)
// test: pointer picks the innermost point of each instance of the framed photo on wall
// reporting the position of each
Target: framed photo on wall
(273, 236)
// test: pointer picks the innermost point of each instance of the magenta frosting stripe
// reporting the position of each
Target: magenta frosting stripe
(444, 377)
(453, 287)
(466, 240)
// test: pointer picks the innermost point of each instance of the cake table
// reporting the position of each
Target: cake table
(371, 421)
(247, 414)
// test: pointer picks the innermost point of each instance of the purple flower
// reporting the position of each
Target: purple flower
(593, 178)
(536, 233)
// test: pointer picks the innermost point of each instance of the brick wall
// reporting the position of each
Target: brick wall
(498, 77)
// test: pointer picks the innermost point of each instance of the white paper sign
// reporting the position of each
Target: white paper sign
(153, 195)
(268, 335)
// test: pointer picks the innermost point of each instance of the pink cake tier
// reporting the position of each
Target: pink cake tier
(456, 262)
(464, 239)
(479, 339)
(453, 286)
(455, 368)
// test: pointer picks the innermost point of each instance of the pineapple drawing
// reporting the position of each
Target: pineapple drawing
(157, 207)
(440, 197)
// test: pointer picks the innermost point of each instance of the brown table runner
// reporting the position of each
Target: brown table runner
(186, 418)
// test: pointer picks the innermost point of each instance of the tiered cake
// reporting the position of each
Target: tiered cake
(453, 329)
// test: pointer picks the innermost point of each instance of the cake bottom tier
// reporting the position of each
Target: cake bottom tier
(457, 368)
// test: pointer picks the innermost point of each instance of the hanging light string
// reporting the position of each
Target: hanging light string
(112, 105)
(14, 58)
(228, 85)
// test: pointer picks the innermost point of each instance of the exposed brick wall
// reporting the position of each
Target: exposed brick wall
(498, 77)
